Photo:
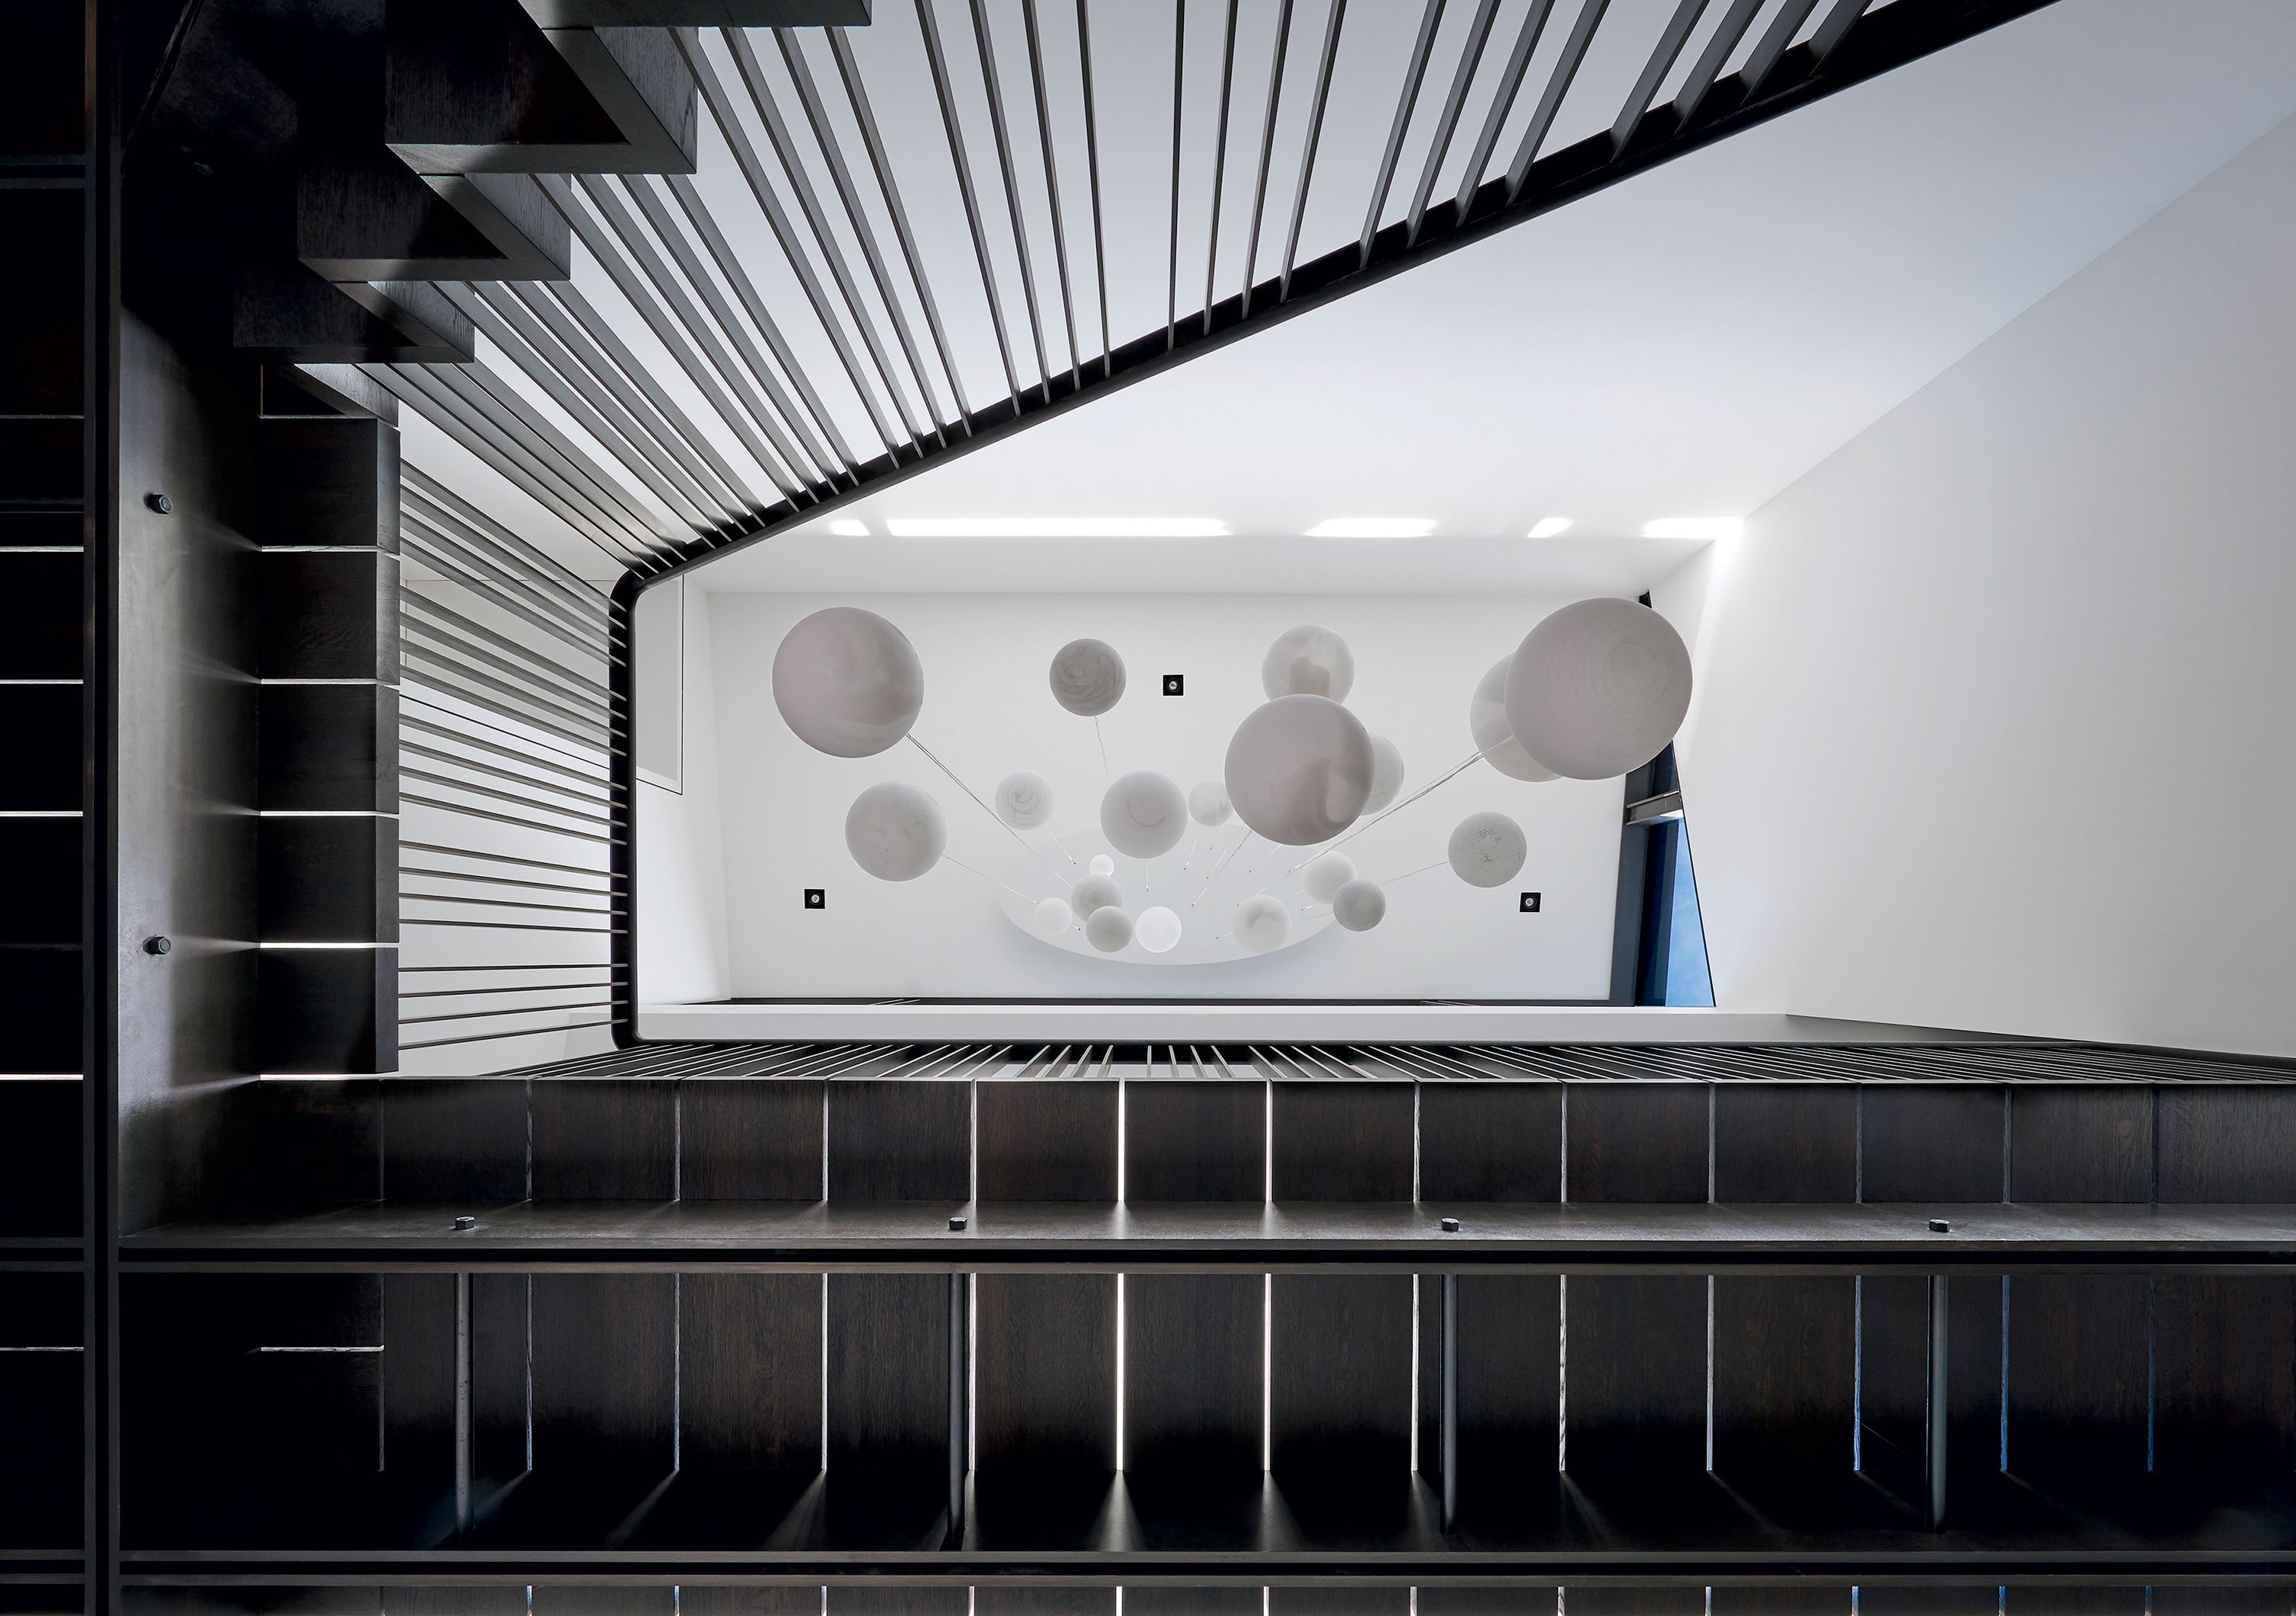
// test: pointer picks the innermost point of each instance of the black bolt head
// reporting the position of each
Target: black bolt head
(161, 503)
(957, 1222)
(156, 945)
(1450, 1226)
(466, 1223)
(1939, 1225)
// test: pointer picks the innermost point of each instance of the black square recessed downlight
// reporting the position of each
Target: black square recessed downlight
(816, 898)
(1174, 685)
(1529, 905)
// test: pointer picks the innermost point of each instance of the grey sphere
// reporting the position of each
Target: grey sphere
(1386, 774)
(848, 682)
(1143, 815)
(1299, 770)
(1088, 677)
(1598, 688)
(1094, 893)
(1262, 923)
(1024, 800)
(1360, 905)
(895, 832)
(1207, 803)
(1310, 660)
(1108, 929)
(1486, 849)
(1487, 717)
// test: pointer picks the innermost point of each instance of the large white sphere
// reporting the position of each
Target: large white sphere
(1262, 923)
(895, 832)
(1486, 717)
(1359, 905)
(1158, 930)
(1093, 893)
(1486, 849)
(848, 682)
(1207, 803)
(1088, 677)
(1101, 864)
(1598, 688)
(1024, 801)
(1299, 770)
(1053, 915)
(1144, 815)
(1108, 929)
(1328, 874)
(1386, 774)
(1308, 660)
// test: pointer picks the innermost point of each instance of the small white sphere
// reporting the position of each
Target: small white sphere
(1359, 905)
(1158, 930)
(1328, 874)
(1386, 774)
(1108, 929)
(1053, 915)
(1093, 893)
(1101, 865)
(1088, 677)
(895, 832)
(1144, 815)
(1024, 801)
(1208, 804)
(1486, 849)
(1262, 923)
(1310, 660)
(848, 682)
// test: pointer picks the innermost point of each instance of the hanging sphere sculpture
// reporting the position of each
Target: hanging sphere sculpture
(848, 682)
(1359, 905)
(1108, 929)
(1598, 688)
(1299, 770)
(895, 832)
(1262, 923)
(1053, 915)
(1088, 677)
(1208, 804)
(1158, 930)
(1487, 717)
(1101, 864)
(1143, 815)
(1092, 893)
(1310, 660)
(1386, 774)
(1486, 849)
(1328, 874)
(1024, 800)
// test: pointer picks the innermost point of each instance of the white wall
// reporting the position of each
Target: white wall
(1993, 726)
(681, 884)
(987, 711)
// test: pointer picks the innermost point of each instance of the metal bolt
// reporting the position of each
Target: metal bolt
(1450, 1226)
(156, 945)
(161, 503)
(1939, 1225)
(957, 1222)
(466, 1223)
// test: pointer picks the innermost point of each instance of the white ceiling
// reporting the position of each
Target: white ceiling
(1687, 343)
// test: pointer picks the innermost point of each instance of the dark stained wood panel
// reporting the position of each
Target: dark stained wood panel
(1342, 1141)
(887, 1370)
(455, 1139)
(2222, 1601)
(750, 1139)
(2060, 1599)
(1490, 1142)
(1775, 1599)
(604, 1367)
(1637, 1369)
(481, 1599)
(1342, 1601)
(1054, 1141)
(2224, 1380)
(1930, 1599)
(1893, 1372)
(1045, 1372)
(1155, 1599)
(418, 1381)
(604, 1599)
(2077, 1379)
(1004, 1599)
(1192, 1382)
(890, 1140)
(1933, 1141)
(1339, 1382)
(854, 1599)
(1201, 1140)
(1976, 1317)
(2082, 1143)
(1785, 1142)
(501, 1333)
(721, 1599)
(600, 1139)
(749, 1371)
(1634, 1141)
(1786, 1376)
(1510, 1384)
(1528, 1601)
(1626, 1599)
(2228, 1144)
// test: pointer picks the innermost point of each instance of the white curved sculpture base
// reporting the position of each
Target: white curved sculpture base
(1207, 916)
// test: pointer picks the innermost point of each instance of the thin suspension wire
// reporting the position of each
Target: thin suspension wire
(1266, 149)
(1472, 760)
(1052, 182)
(984, 807)
(1219, 164)
(938, 64)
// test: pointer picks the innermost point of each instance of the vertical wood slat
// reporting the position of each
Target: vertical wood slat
(896, 1141)
(1192, 1382)
(1626, 1141)
(888, 1375)
(1340, 1387)
(1509, 1350)
(1638, 1364)
(1047, 1139)
(749, 1371)
(1341, 1141)
(2082, 1143)
(1785, 1142)
(750, 1139)
(598, 1138)
(501, 1333)
(1784, 1378)
(1490, 1141)
(1932, 1142)
(2077, 1378)
(2225, 1380)
(604, 1368)
(1045, 1373)
(418, 1383)
(1195, 1141)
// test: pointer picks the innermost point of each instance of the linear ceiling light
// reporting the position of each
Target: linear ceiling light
(1547, 527)
(1057, 528)
(1374, 528)
(846, 528)
(1692, 527)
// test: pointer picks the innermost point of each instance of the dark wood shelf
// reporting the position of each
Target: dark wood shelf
(1211, 1236)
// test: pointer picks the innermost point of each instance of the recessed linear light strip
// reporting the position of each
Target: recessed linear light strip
(1050, 527)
